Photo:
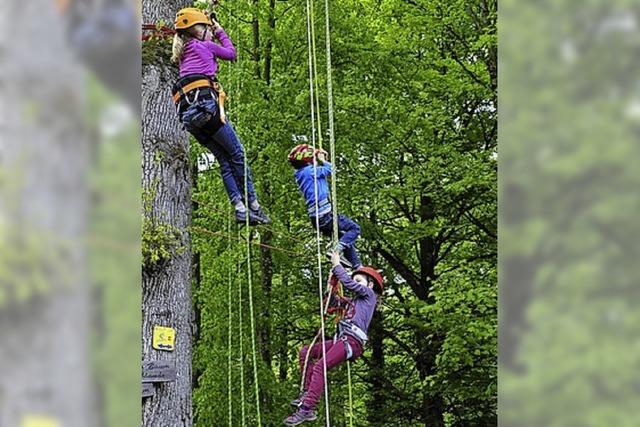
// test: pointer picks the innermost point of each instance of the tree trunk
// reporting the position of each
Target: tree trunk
(269, 45)
(45, 309)
(376, 413)
(166, 285)
(432, 407)
(283, 348)
(266, 262)
(255, 52)
(196, 282)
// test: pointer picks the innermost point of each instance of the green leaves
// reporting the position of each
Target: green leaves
(416, 148)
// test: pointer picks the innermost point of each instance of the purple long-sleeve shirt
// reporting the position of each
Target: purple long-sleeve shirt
(200, 57)
(364, 300)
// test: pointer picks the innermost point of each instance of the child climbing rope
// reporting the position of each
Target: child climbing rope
(199, 100)
(302, 159)
(348, 343)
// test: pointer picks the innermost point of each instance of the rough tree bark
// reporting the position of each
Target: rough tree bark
(166, 286)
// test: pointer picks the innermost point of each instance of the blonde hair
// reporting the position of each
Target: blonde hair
(181, 38)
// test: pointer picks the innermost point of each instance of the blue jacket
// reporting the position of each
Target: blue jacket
(305, 180)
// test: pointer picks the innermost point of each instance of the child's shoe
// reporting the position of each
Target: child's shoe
(241, 217)
(339, 248)
(297, 402)
(300, 416)
(259, 216)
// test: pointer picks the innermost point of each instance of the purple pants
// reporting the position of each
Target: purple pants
(336, 353)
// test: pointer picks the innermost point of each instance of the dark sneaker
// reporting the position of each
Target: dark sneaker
(345, 262)
(241, 218)
(259, 216)
(299, 417)
(297, 402)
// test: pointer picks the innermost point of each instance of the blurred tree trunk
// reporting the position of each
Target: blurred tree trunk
(45, 303)
(166, 285)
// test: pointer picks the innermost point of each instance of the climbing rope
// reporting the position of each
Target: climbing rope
(312, 95)
(249, 273)
(282, 234)
(332, 149)
(242, 404)
(350, 394)
(310, 46)
(315, 73)
(230, 237)
(332, 139)
(251, 311)
(230, 314)
(325, 310)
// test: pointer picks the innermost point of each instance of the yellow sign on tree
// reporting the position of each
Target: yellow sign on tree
(164, 338)
(39, 421)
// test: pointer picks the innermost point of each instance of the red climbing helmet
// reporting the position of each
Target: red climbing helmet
(301, 153)
(372, 273)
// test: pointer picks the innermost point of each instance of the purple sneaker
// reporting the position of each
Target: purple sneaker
(297, 402)
(299, 417)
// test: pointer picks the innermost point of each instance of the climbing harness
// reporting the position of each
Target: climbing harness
(325, 309)
(321, 208)
(344, 310)
(187, 84)
(337, 304)
(347, 327)
(194, 85)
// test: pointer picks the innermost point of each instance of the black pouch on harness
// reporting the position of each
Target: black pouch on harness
(199, 114)
(199, 107)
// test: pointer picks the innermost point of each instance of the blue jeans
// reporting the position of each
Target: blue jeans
(201, 120)
(348, 232)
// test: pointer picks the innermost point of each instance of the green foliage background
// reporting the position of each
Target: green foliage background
(569, 121)
(416, 128)
(114, 256)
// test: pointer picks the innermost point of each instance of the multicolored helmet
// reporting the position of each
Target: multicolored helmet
(301, 153)
(373, 274)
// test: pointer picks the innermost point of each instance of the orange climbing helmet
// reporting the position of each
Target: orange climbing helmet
(301, 153)
(190, 16)
(373, 274)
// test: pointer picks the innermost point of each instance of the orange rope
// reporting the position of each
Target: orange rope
(213, 233)
(157, 31)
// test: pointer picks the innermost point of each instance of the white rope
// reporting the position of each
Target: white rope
(332, 139)
(332, 149)
(315, 189)
(229, 330)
